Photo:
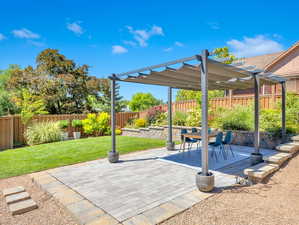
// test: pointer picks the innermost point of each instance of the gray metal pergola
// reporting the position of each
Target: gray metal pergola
(209, 74)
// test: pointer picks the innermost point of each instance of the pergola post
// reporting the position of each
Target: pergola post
(170, 143)
(204, 179)
(256, 156)
(283, 111)
(113, 155)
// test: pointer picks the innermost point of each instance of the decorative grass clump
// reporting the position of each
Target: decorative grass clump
(43, 132)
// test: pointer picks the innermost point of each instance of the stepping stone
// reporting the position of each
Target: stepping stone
(17, 197)
(14, 190)
(290, 147)
(295, 138)
(22, 207)
(260, 171)
(279, 158)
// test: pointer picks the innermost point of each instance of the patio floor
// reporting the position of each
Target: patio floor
(140, 185)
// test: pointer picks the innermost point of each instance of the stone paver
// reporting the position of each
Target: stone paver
(260, 171)
(17, 197)
(140, 189)
(13, 190)
(22, 207)
(279, 158)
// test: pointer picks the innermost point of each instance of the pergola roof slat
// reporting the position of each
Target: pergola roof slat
(220, 75)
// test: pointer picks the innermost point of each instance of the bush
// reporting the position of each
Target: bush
(76, 123)
(238, 118)
(155, 114)
(63, 124)
(44, 132)
(193, 118)
(180, 118)
(140, 123)
(96, 124)
(161, 119)
(118, 131)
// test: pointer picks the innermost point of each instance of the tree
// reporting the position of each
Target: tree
(64, 86)
(142, 101)
(30, 105)
(219, 53)
(6, 105)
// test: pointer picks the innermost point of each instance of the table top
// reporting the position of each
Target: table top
(198, 135)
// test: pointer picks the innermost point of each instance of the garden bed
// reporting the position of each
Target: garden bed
(244, 138)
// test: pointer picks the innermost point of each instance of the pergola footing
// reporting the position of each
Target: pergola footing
(256, 158)
(170, 146)
(113, 157)
(205, 183)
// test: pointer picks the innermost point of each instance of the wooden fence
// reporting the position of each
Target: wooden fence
(266, 102)
(12, 129)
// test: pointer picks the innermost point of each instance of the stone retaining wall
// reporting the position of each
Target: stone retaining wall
(245, 138)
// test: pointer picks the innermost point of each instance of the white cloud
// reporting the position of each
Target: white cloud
(2, 37)
(258, 45)
(179, 44)
(118, 49)
(75, 27)
(142, 36)
(168, 49)
(25, 33)
(214, 25)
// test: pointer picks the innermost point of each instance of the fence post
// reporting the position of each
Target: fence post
(11, 141)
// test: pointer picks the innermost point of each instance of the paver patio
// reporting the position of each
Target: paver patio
(148, 186)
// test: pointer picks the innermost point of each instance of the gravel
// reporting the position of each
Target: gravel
(274, 202)
(49, 211)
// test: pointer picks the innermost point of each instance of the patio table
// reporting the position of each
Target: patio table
(197, 136)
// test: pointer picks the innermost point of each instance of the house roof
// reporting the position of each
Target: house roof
(260, 61)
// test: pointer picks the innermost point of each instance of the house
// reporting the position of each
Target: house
(285, 63)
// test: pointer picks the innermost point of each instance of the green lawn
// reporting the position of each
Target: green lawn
(41, 157)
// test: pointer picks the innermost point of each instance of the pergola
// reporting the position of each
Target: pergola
(209, 74)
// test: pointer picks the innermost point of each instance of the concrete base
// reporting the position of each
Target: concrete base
(170, 146)
(205, 183)
(256, 158)
(113, 157)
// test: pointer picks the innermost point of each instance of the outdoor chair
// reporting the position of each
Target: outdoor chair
(227, 141)
(187, 140)
(218, 144)
(193, 130)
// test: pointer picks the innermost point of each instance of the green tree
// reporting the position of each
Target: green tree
(30, 105)
(63, 85)
(6, 105)
(142, 101)
(219, 53)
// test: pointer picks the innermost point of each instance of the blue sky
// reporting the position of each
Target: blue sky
(117, 36)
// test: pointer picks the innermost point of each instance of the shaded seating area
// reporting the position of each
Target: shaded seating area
(202, 73)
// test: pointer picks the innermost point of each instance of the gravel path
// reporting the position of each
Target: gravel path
(274, 203)
(48, 213)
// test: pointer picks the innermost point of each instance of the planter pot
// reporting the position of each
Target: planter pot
(65, 136)
(77, 135)
(205, 183)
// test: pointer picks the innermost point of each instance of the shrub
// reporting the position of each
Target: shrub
(43, 132)
(154, 114)
(140, 123)
(118, 131)
(63, 124)
(76, 123)
(96, 124)
(161, 119)
(193, 118)
(238, 118)
(180, 118)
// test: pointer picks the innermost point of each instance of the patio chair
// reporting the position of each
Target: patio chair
(218, 144)
(193, 130)
(187, 140)
(227, 141)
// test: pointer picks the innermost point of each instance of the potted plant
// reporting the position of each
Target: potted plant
(64, 124)
(77, 124)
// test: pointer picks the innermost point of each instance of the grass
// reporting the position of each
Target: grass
(41, 157)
